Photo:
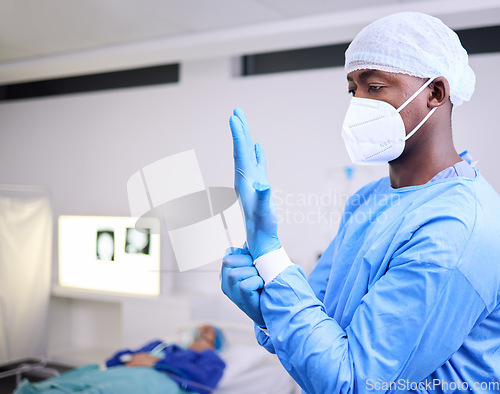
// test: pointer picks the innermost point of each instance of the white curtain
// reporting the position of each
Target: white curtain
(25, 264)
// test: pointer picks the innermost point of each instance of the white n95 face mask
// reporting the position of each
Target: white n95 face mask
(374, 132)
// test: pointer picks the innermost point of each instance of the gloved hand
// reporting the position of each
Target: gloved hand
(242, 283)
(253, 189)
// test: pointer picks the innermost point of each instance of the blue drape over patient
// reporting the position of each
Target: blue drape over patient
(92, 380)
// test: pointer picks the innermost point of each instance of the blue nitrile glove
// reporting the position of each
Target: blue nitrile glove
(242, 284)
(253, 189)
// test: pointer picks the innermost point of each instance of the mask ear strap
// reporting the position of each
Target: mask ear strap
(421, 123)
(415, 94)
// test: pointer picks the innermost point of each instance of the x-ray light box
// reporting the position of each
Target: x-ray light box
(109, 254)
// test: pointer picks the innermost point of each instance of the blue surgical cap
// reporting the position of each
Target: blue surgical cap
(220, 340)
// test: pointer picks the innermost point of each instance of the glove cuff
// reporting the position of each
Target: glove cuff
(272, 264)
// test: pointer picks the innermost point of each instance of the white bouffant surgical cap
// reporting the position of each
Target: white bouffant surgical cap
(415, 44)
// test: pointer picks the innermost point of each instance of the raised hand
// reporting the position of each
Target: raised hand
(253, 189)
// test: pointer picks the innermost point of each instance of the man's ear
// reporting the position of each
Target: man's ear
(440, 92)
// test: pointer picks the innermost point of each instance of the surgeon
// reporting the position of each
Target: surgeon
(406, 297)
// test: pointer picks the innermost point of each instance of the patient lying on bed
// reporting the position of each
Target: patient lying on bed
(157, 367)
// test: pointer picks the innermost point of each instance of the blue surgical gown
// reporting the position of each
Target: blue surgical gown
(405, 298)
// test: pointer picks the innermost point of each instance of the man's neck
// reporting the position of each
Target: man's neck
(422, 163)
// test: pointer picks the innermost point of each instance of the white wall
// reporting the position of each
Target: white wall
(85, 146)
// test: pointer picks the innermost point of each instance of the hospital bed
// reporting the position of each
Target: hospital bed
(249, 368)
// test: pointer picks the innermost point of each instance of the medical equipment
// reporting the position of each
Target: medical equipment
(415, 44)
(95, 254)
(374, 131)
(125, 358)
(37, 368)
(158, 349)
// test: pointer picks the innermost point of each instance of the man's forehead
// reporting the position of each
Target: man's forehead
(364, 74)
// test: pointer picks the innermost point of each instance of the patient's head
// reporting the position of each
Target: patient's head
(207, 338)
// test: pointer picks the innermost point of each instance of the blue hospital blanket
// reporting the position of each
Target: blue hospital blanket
(117, 380)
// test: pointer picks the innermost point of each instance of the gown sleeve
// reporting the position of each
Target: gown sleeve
(318, 279)
(408, 324)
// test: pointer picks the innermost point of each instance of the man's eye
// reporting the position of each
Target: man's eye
(374, 88)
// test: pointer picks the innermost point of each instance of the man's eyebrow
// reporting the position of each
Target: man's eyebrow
(367, 74)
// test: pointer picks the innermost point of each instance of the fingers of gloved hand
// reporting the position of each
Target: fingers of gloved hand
(236, 281)
(241, 115)
(241, 259)
(234, 251)
(246, 295)
(260, 156)
(239, 140)
(249, 287)
(263, 190)
(229, 251)
(242, 142)
(230, 266)
(235, 276)
(248, 298)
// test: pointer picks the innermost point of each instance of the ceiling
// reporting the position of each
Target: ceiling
(35, 30)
